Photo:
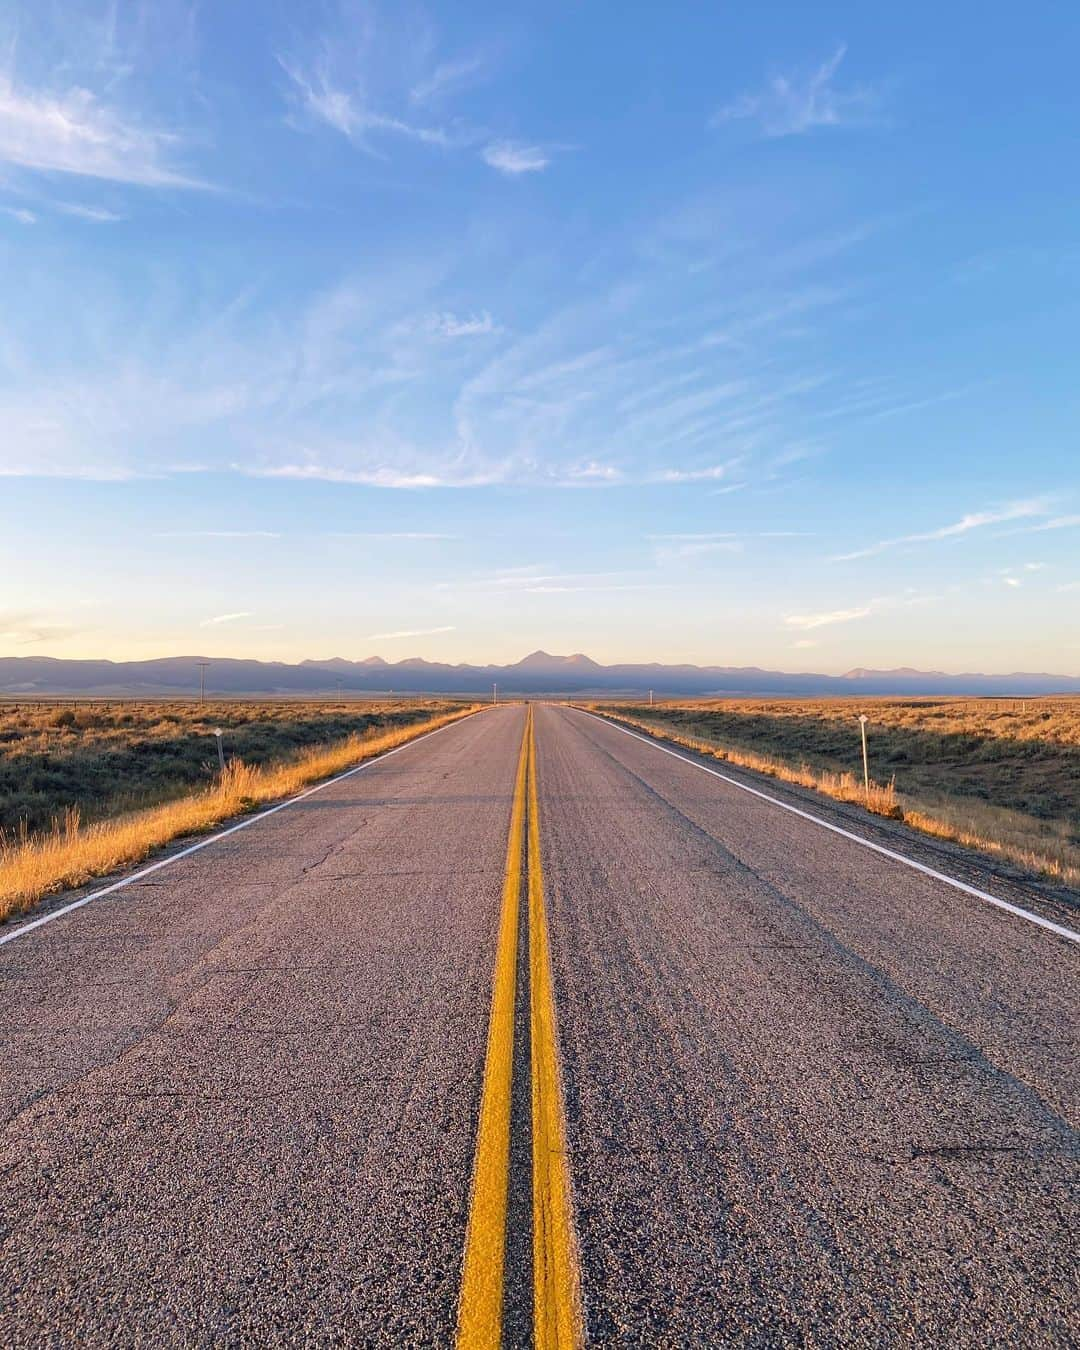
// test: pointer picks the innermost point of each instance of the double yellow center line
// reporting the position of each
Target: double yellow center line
(556, 1286)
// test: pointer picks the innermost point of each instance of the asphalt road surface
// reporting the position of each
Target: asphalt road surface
(809, 1096)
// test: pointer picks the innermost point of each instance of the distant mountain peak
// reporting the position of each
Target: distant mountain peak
(900, 672)
(541, 660)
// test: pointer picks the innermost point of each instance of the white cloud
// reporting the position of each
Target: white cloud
(411, 633)
(1058, 523)
(575, 590)
(20, 214)
(96, 215)
(701, 548)
(514, 159)
(712, 471)
(389, 534)
(226, 618)
(217, 534)
(975, 520)
(448, 78)
(592, 472)
(879, 604)
(345, 111)
(377, 476)
(1011, 581)
(824, 620)
(25, 630)
(791, 106)
(74, 133)
(453, 326)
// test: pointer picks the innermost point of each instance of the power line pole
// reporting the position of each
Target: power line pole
(202, 680)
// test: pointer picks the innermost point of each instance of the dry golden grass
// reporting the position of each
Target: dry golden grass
(998, 777)
(32, 866)
(109, 758)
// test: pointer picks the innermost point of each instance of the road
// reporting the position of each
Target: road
(798, 1093)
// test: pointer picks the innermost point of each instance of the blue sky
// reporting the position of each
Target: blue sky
(729, 334)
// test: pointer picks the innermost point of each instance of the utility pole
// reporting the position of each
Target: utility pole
(863, 719)
(202, 680)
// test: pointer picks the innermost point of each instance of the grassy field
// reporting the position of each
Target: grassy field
(88, 789)
(1002, 775)
(103, 759)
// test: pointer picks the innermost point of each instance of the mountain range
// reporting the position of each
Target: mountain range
(539, 673)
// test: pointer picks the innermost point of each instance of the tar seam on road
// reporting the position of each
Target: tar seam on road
(557, 1322)
(1070, 934)
(480, 1306)
(221, 834)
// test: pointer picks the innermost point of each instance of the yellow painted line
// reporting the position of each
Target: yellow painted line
(480, 1308)
(557, 1321)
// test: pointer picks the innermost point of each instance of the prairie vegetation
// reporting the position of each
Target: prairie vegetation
(87, 790)
(1002, 776)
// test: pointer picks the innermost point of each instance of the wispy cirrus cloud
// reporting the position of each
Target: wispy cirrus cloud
(346, 111)
(708, 472)
(411, 633)
(369, 78)
(378, 475)
(387, 534)
(96, 215)
(74, 133)
(828, 617)
(701, 548)
(457, 326)
(219, 619)
(850, 614)
(974, 520)
(26, 630)
(791, 105)
(1057, 523)
(514, 158)
(449, 78)
(217, 534)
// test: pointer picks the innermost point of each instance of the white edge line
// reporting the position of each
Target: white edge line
(221, 834)
(1020, 913)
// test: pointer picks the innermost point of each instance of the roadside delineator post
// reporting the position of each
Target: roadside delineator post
(220, 751)
(863, 719)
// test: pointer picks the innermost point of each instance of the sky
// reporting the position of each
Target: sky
(731, 334)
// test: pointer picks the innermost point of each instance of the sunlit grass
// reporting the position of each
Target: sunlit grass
(71, 854)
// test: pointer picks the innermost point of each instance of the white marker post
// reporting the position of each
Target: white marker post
(494, 694)
(220, 751)
(650, 698)
(863, 719)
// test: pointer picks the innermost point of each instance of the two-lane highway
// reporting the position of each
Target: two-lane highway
(802, 1093)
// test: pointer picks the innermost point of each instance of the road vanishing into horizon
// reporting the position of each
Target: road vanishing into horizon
(534, 1031)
